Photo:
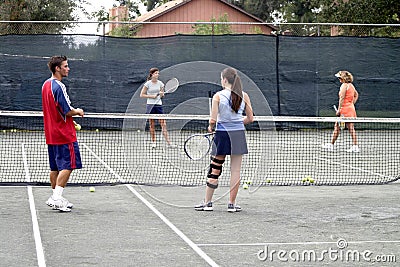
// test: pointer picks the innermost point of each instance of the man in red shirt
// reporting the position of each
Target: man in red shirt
(60, 132)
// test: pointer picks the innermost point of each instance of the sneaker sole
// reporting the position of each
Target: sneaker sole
(52, 206)
(204, 209)
(65, 209)
(234, 210)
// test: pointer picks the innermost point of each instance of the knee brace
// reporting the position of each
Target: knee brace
(215, 167)
(213, 186)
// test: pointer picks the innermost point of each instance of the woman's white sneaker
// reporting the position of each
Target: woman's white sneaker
(354, 149)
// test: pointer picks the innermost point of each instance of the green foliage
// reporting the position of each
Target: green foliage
(262, 9)
(214, 29)
(363, 12)
(151, 4)
(256, 30)
(121, 31)
(37, 10)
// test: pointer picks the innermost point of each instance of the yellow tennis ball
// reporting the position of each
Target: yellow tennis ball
(269, 181)
(97, 130)
(245, 186)
(92, 189)
(78, 127)
(311, 180)
(249, 182)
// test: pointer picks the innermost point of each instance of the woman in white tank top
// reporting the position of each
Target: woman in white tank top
(227, 118)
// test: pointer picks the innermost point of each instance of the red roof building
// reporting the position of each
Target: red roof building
(164, 20)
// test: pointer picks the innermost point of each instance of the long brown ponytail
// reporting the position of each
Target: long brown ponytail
(233, 78)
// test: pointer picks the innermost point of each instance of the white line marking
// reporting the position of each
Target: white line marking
(158, 213)
(294, 243)
(104, 164)
(35, 223)
(36, 231)
(174, 228)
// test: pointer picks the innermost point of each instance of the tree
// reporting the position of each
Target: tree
(299, 10)
(151, 4)
(363, 12)
(122, 30)
(37, 10)
(213, 29)
(262, 9)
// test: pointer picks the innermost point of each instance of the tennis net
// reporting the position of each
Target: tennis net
(116, 148)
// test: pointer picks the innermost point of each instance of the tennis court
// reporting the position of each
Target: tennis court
(142, 211)
(124, 226)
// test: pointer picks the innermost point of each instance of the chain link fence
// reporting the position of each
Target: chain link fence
(132, 29)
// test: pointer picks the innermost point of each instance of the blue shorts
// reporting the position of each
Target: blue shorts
(64, 157)
(229, 143)
(154, 109)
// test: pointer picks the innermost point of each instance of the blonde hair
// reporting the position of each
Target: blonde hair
(345, 75)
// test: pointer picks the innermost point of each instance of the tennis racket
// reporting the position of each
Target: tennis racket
(342, 124)
(171, 86)
(197, 146)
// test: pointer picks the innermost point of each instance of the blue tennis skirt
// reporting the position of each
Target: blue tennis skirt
(229, 143)
(154, 109)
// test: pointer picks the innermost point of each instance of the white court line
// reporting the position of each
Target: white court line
(195, 247)
(295, 243)
(104, 164)
(35, 223)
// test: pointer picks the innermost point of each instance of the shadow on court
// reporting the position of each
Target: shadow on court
(279, 226)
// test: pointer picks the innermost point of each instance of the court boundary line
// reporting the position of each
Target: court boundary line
(295, 243)
(188, 241)
(35, 224)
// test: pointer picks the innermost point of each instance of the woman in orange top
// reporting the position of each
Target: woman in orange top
(348, 96)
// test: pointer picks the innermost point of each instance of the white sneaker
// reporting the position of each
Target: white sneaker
(69, 204)
(234, 208)
(153, 145)
(51, 202)
(354, 149)
(59, 204)
(327, 146)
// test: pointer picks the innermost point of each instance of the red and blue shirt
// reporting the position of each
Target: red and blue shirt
(58, 127)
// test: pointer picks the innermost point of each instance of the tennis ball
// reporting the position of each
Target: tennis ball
(311, 180)
(92, 189)
(78, 127)
(97, 130)
(4, 131)
(249, 182)
(304, 180)
(269, 181)
(245, 186)
(138, 131)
